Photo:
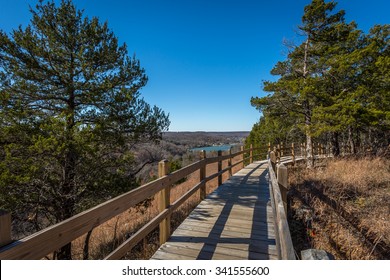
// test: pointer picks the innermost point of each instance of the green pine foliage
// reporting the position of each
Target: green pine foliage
(70, 114)
(332, 86)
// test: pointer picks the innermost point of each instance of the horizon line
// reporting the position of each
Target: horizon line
(208, 131)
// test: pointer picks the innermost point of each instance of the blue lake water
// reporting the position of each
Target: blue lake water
(212, 148)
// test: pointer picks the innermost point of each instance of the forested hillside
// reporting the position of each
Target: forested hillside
(333, 87)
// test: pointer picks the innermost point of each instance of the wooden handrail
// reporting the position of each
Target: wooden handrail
(284, 240)
(46, 241)
(150, 226)
(38, 245)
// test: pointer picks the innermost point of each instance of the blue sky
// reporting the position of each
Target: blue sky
(205, 59)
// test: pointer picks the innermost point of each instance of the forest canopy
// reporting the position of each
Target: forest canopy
(333, 87)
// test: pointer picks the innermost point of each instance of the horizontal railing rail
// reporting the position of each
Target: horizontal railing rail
(278, 201)
(48, 240)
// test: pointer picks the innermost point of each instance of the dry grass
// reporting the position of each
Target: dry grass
(105, 238)
(343, 207)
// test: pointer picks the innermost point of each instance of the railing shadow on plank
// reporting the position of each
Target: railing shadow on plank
(48, 240)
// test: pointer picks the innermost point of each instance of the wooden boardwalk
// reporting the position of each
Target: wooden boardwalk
(235, 222)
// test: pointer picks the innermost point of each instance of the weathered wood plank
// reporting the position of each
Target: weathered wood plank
(163, 255)
(252, 247)
(163, 202)
(236, 252)
(237, 222)
(238, 216)
(223, 237)
(234, 231)
(5, 228)
(234, 222)
(235, 227)
(212, 240)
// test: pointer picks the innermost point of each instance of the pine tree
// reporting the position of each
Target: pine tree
(299, 90)
(70, 113)
(373, 92)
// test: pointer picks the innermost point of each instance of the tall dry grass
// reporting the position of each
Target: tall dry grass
(344, 207)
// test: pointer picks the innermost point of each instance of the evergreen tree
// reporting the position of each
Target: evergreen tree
(299, 91)
(70, 113)
(335, 84)
(373, 92)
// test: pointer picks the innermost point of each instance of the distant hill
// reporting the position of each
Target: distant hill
(206, 138)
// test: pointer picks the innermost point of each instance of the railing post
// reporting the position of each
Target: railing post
(301, 149)
(293, 153)
(282, 177)
(242, 157)
(278, 153)
(230, 163)
(269, 147)
(219, 168)
(272, 157)
(5, 228)
(164, 202)
(202, 175)
(251, 154)
(281, 149)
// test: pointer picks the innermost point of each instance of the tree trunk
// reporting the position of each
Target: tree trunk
(309, 141)
(335, 144)
(309, 144)
(351, 142)
(307, 110)
(68, 202)
(69, 172)
(309, 151)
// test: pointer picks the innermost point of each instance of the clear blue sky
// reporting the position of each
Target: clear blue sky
(205, 59)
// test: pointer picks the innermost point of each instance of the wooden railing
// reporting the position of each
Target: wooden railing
(278, 185)
(46, 241)
(278, 161)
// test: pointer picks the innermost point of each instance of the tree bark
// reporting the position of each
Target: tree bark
(351, 141)
(309, 140)
(335, 144)
(307, 110)
(309, 150)
(69, 171)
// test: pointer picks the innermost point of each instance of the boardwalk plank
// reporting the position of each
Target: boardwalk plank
(237, 231)
(199, 251)
(234, 228)
(256, 248)
(234, 222)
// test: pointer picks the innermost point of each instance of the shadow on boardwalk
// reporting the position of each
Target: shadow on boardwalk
(233, 222)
